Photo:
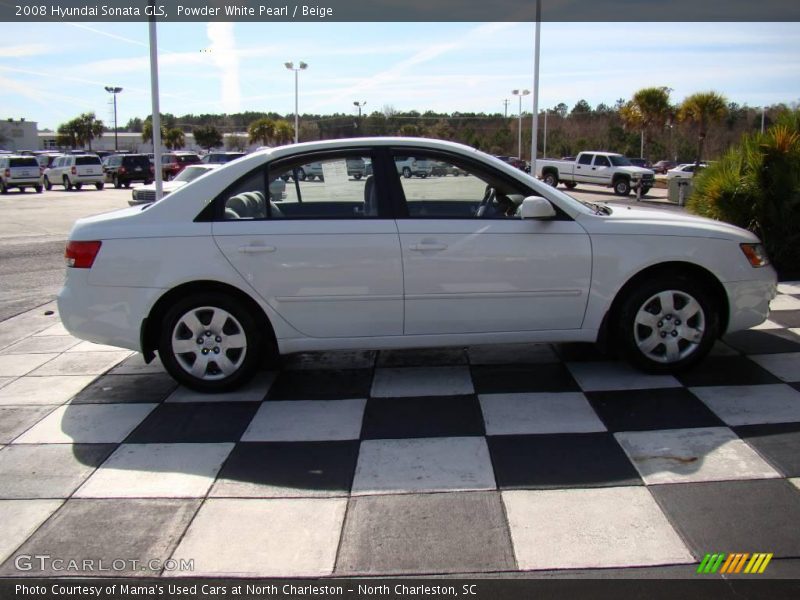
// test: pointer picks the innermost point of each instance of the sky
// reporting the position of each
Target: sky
(51, 72)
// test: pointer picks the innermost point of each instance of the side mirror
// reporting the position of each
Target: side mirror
(536, 207)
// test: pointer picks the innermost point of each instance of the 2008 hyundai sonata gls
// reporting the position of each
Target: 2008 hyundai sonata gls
(219, 275)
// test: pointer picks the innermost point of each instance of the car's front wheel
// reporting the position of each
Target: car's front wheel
(668, 324)
(47, 185)
(550, 179)
(622, 187)
(210, 342)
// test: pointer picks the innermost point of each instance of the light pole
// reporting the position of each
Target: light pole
(300, 67)
(520, 93)
(359, 105)
(505, 107)
(114, 91)
(544, 145)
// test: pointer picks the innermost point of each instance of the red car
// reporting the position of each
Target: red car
(663, 166)
(514, 162)
(173, 163)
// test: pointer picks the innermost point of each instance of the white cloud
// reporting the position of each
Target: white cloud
(223, 53)
(22, 50)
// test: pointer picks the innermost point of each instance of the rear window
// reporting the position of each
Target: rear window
(188, 159)
(141, 161)
(23, 162)
(88, 160)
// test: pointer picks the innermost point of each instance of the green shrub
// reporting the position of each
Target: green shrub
(756, 185)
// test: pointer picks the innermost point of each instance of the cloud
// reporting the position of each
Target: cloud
(22, 50)
(107, 34)
(223, 53)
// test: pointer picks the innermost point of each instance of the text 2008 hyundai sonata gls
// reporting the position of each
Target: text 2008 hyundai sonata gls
(216, 277)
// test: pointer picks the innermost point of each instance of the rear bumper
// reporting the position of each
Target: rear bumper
(88, 179)
(23, 182)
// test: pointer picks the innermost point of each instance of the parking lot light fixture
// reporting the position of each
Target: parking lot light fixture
(114, 90)
(520, 93)
(300, 67)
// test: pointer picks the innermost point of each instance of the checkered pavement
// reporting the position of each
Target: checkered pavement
(501, 459)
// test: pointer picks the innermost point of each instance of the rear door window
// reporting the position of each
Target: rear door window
(585, 159)
(87, 160)
(24, 162)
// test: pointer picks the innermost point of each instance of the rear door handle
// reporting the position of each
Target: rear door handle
(427, 246)
(256, 249)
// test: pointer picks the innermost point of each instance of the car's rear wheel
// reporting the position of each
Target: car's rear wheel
(78, 186)
(210, 342)
(668, 324)
(3, 188)
(47, 185)
(38, 189)
(67, 184)
(127, 183)
(99, 185)
(406, 172)
(571, 185)
(645, 189)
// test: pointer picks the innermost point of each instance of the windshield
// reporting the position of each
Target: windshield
(620, 161)
(190, 174)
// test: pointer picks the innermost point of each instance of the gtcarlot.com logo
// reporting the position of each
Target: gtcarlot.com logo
(45, 562)
(735, 563)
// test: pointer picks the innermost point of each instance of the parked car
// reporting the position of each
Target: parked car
(663, 166)
(409, 166)
(599, 168)
(124, 169)
(217, 279)
(75, 170)
(513, 161)
(173, 163)
(685, 171)
(442, 168)
(640, 162)
(19, 172)
(221, 157)
(358, 168)
(145, 194)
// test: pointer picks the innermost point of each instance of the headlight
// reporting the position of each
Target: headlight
(755, 254)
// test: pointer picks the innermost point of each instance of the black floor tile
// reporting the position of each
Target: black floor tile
(787, 318)
(726, 370)
(638, 410)
(425, 533)
(505, 379)
(433, 416)
(310, 466)
(779, 444)
(734, 516)
(107, 530)
(148, 388)
(195, 423)
(581, 352)
(769, 341)
(422, 357)
(15, 420)
(327, 384)
(560, 461)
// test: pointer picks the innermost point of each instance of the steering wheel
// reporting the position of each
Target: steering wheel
(488, 199)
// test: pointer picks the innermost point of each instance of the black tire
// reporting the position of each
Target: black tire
(245, 361)
(38, 189)
(67, 184)
(645, 190)
(78, 186)
(406, 172)
(570, 185)
(127, 183)
(622, 187)
(22, 189)
(550, 179)
(47, 185)
(357, 176)
(117, 183)
(693, 339)
(3, 188)
(99, 185)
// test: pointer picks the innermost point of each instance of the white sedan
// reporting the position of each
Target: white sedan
(685, 171)
(217, 278)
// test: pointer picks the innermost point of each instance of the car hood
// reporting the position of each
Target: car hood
(635, 170)
(652, 221)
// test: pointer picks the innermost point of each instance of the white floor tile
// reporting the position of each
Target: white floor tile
(685, 455)
(306, 421)
(789, 287)
(795, 481)
(92, 347)
(752, 404)
(784, 302)
(582, 528)
(43, 390)
(46, 344)
(56, 329)
(135, 365)
(605, 376)
(785, 366)
(423, 465)
(264, 538)
(509, 414)
(157, 471)
(20, 518)
(255, 391)
(421, 381)
(87, 424)
(766, 325)
(82, 363)
(17, 365)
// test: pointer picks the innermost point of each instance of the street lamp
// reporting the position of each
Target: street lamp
(520, 93)
(114, 91)
(300, 67)
(359, 105)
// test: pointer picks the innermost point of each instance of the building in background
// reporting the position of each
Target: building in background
(18, 135)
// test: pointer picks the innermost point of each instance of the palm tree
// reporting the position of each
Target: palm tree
(261, 130)
(648, 108)
(283, 132)
(703, 109)
(147, 132)
(174, 138)
(207, 136)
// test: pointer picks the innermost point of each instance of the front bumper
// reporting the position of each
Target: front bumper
(749, 300)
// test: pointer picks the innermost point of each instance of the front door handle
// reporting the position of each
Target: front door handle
(428, 246)
(256, 249)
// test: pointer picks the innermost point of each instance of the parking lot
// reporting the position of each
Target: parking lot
(526, 459)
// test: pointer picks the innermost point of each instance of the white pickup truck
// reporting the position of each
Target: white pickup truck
(599, 168)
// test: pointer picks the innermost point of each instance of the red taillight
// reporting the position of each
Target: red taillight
(81, 255)
(74, 171)
(8, 173)
(122, 170)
